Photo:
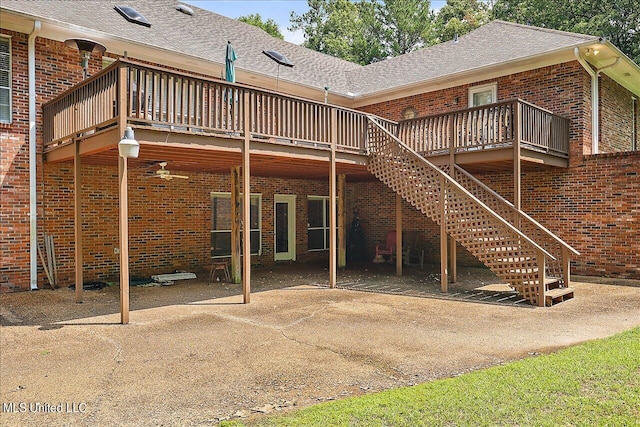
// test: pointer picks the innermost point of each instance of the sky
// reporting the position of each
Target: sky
(278, 10)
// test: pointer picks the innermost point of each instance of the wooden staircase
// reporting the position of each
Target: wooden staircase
(497, 242)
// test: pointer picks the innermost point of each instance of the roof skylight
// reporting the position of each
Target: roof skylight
(184, 9)
(132, 15)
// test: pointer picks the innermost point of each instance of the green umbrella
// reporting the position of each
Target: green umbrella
(230, 70)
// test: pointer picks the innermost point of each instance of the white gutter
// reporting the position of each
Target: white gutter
(595, 113)
(33, 196)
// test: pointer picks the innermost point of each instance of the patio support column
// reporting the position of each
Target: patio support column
(398, 235)
(246, 200)
(236, 271)
(452, 173)
(77, 220)
(332, 201)
(124, 241)
(342, 223)
(443, 237)
(124, 201)
(516, 158)
(453, 268)
(541, 300)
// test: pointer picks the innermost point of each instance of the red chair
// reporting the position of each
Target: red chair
(388, 250)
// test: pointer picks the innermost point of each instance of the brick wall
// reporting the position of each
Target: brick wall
(57, 68)
(376, 204)
(595, 207)
(616, 112)
(169, 221)
(562, 89)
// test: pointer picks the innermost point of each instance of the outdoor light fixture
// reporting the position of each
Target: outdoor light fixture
(85, 47)
(128, 147)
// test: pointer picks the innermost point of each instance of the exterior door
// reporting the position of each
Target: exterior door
(284, 227)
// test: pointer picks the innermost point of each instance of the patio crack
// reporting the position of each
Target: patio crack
(108, 376)
(381, 368)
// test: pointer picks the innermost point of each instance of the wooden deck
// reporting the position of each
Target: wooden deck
(199, 123)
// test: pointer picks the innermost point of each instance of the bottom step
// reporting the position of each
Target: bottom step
(555, 296)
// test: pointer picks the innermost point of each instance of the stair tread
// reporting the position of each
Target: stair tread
(558, 292)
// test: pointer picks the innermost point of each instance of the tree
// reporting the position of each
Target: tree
(269, 26)
(364, 31)
(617, 20)
(404, 25)
(458, 17)
(334, 27)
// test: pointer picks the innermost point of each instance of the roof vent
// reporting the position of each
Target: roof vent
(184, 9)
(132, 15)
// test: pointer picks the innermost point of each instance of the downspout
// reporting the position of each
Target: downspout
(33, 196)
(595, 113)
(634, 124)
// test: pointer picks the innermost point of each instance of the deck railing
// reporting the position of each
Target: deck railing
(488, 127)
(160, 98)
(86, 107)
(157, 97)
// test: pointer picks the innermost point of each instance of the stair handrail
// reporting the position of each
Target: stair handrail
(446, 177)
(517, 211)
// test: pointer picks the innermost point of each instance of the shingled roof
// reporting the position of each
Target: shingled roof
(492, 44)
(204, 36)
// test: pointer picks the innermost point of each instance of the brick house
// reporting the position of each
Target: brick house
(545, 119)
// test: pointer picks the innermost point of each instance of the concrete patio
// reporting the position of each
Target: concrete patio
(203, 357)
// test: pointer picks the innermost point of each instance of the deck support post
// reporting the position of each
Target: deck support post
(332, 201)
(453, 270)
(566, 266)
(541, 273)
(246, 203)
(342, 223)
(443, 236)
(398, 235)
(236, 270)
(77, 220)
(453, 267)
(124, 240)
(124, 202)
(517, 158)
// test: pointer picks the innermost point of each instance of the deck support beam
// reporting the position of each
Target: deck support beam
(443, 237)
(342, 222)
(566, 266)
(77, 220)
(453, 267)
(124, 240)
(398, 235)
(517, 159)
(332, 201)
(236, 270)
(541, 280)
(246, 201)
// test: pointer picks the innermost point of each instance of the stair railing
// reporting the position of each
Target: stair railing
(519, 219)
(507, 251)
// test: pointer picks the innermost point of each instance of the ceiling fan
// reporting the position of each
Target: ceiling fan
(165, 174)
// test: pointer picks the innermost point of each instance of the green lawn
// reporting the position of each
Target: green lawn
(593, 384)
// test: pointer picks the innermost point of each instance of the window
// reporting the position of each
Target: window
(482, 95)
(221, 224)
(5, 80)
(318, 224)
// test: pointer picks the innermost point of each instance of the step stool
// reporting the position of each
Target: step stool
(223, 268)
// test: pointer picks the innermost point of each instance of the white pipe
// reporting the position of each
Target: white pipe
(594, 101)
(33, 196)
